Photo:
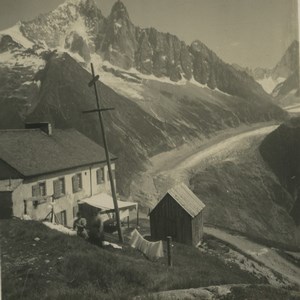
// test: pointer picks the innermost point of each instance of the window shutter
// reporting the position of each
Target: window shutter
(56, 188)
(80, 181)
(102, 174)
(97, 176)
(74, 184)
(62, 185)
(35, 190)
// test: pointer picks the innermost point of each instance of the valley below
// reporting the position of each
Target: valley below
(229, 175)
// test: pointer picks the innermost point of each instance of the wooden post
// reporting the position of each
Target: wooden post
(137, 216)
(128, 221)
(111, 179)
(169, 251)
(0, 273)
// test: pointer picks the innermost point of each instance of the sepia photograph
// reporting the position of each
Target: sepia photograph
(149, 150)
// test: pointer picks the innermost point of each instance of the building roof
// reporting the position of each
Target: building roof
(186, 199)
(9, 185)
(33, 152)
(106, 203)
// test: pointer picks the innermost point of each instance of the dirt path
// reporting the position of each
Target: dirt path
(268, 256)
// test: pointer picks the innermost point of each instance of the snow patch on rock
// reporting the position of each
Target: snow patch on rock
(17, 35)
(269, 84)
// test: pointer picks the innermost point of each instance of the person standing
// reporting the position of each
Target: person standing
(96, 232)
(80, 226)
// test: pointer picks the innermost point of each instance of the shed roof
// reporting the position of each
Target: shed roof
(33, 152)
(186, 199)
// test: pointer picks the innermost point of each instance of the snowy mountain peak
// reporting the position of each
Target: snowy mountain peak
(69, 20)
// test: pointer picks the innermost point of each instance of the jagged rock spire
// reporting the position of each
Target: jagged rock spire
(119, 11)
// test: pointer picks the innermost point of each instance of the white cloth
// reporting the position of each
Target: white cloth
(153, 250)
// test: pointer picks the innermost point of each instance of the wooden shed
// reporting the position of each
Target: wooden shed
(178, 214)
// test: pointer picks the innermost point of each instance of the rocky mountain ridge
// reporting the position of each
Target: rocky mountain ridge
(78, 26)
(286, 69)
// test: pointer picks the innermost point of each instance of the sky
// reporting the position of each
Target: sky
(252, 33)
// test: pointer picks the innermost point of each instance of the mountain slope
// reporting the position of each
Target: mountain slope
(166, 93)
(137, 129)
(242, 193)
(281, 150)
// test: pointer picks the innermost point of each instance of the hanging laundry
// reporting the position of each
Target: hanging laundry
(153, 250)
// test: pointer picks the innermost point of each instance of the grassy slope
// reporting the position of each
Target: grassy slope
(242, 193)
(64, 267)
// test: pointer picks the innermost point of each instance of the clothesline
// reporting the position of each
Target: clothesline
(153, 250)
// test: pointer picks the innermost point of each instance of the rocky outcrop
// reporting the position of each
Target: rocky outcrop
(289, 63)
(281, 150)
(8, 44)
(289, 85)
(119, 43)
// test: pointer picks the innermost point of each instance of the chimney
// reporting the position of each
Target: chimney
(44, 126)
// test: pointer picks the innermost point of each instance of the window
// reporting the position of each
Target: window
(39, 189)
(42, 187)
(75, 211)
(59, 187)
(100, 175)
(77, 182)
(62, 217)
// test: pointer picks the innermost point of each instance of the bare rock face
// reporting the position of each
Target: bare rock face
(163, 54)
(77, 44)
(286, 87)
(289, 63)
(119, 44)
(8, 44)
(144, 54)
(281, 150)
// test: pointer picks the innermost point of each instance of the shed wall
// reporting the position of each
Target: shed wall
(169, 219)
(197, 228)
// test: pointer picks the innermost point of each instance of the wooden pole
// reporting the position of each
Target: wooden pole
(112, 184)
(128, 221)
(0, 273)
(137, 216)
(169, 251)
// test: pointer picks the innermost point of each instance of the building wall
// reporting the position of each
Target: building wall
(68, 202)
(169, 219)
(197, 228)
